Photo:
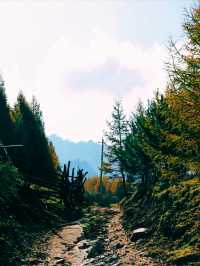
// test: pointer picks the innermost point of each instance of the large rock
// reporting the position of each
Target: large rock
(118, 245)
(84, 244)
(139, 233)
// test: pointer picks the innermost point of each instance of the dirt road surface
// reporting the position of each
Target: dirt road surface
(68, 246)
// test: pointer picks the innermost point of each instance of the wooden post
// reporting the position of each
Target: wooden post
(101, 167)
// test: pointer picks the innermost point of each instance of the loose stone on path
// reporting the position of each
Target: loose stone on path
(68, 246)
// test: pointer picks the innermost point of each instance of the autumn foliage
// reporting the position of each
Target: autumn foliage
(162, 152)
(109, 185)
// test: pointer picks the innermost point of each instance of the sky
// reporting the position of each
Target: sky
(77, 57)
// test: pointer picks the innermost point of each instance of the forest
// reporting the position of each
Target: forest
(159, 149)
(35, 191)
(151, 169)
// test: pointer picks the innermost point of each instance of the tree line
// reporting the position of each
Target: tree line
(23, 124)
(160, 143)
(35, 159)
(158, 150)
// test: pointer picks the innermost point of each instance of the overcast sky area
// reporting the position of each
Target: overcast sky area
(77, 57)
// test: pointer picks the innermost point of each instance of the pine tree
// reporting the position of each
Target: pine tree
(37, 160)
(7, 128)
(153, 148)
(116, 134)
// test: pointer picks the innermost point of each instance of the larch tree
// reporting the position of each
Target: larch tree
(54, 156)
(184, 88)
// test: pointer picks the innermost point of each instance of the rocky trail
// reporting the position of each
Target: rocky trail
(97, 240)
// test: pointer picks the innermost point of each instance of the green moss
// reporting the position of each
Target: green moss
(173, 216)
(92, 224)
(184, 255)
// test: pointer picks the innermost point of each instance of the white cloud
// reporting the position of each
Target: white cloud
(41, 50)
(81, 114)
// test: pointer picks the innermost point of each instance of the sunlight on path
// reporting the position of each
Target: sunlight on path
(62, 247)
(68, 246)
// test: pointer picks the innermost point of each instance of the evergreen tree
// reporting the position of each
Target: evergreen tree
(116, 134)
(7, 129)
(37, 160)
(153, 149)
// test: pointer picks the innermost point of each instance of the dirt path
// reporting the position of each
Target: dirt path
(124, 248)
(69, 246)
(63, 247)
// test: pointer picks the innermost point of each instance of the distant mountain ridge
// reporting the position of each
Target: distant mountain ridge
(83, 154)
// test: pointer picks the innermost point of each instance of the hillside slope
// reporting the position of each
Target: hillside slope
(173, 217)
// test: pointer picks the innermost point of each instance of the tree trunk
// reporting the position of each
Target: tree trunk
(124, 182)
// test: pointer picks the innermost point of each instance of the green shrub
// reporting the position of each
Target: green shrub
(10, 180)
(173, 216)
(92, 225)
(101, 199)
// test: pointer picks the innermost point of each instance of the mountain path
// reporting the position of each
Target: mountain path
(68, 246)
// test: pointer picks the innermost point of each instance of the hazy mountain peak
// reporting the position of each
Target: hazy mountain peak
(82, 154)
